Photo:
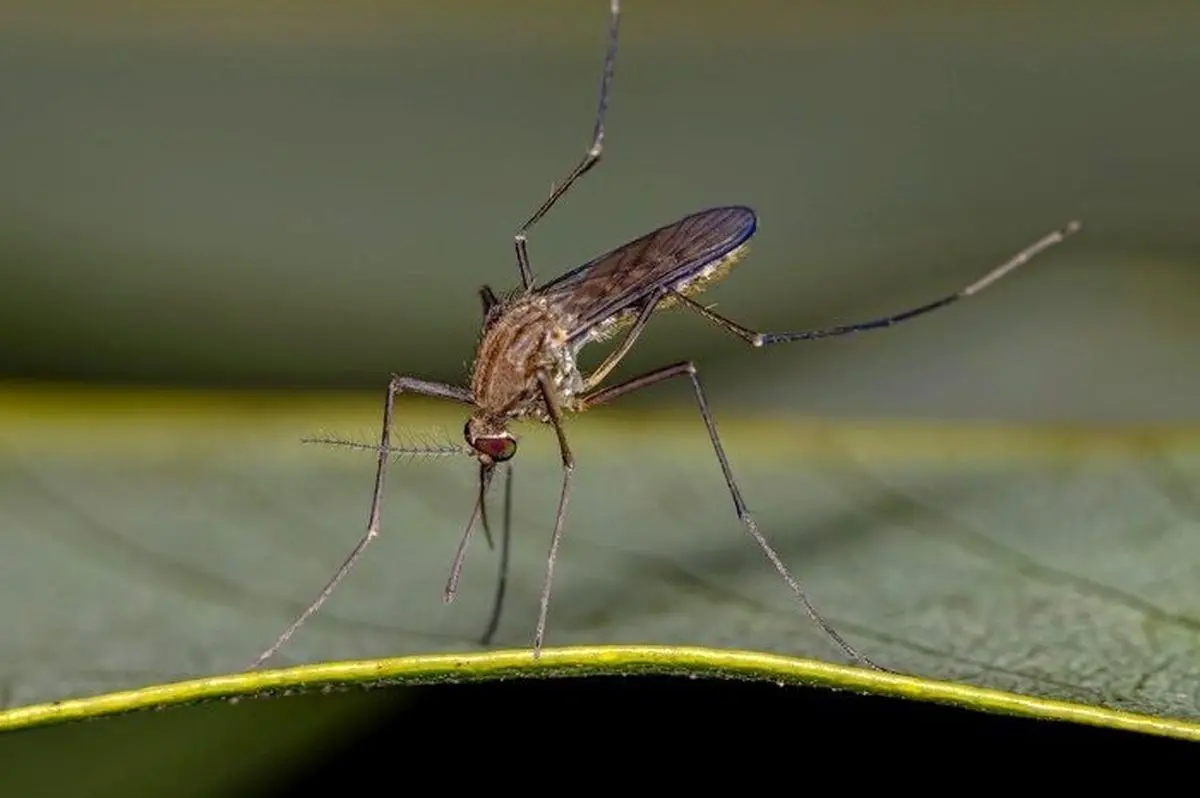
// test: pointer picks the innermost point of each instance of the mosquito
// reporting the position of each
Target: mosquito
(526, 365)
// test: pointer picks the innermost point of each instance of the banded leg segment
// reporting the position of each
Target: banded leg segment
(766, 339)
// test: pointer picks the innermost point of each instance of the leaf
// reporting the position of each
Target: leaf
(151, 538)
(581, 661)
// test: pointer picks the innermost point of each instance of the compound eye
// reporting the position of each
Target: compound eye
(498, 447)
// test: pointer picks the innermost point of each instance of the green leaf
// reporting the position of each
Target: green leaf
(586, 661)
(154, 538)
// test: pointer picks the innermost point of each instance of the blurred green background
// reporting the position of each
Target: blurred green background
(309, 194)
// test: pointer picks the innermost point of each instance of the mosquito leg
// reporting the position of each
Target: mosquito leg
(464, 542)
(615, 357)
(568, 466)
(766, 339)
(590, 158)
(687, 369)
(396, 386)
(502, 583)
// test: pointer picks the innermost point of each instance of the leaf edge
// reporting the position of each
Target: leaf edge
(575, 661)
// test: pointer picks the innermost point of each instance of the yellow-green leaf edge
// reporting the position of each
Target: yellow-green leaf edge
(584, 661)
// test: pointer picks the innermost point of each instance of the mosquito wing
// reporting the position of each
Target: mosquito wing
(670, 258)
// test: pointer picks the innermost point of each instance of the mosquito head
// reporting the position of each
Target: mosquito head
(491, 442)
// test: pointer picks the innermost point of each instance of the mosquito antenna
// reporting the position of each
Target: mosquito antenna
(417, 450)
(421, 450)
(460, 555)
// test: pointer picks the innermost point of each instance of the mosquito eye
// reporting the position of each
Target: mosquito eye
(499, 447)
